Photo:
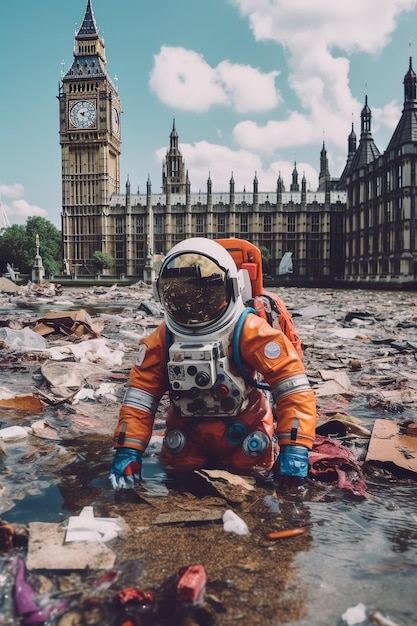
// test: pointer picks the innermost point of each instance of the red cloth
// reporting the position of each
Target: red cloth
(329, 461)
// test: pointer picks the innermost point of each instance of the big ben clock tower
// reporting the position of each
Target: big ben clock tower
(89, 109)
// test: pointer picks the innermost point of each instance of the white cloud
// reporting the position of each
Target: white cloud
(18, 210)
(182, 79)
(300, 24)
(274, 136)
(248, 88)
(12, 191)
(319, 39)
(387, 116)
(312, 33)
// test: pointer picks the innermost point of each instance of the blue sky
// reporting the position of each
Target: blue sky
(254, 85)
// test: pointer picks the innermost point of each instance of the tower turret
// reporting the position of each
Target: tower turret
(173, 170)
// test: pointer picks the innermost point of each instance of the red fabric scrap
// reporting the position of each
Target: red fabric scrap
(329, 461)
(130, 594)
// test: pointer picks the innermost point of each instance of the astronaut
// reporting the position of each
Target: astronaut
(239, 396)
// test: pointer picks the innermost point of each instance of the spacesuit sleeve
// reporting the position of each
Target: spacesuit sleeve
(147, 384)
(268, 351)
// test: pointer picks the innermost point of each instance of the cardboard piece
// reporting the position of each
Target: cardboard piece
(335, 383)
(78, 323)
(47, 550)
(341, 424)
(23, 403)
(389, 444)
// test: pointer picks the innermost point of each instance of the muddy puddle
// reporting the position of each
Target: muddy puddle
(357, 554)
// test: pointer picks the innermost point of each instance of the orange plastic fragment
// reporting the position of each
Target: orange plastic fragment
(23, 403)
(289, 532)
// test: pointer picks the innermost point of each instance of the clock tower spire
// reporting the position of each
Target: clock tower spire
(90, 149)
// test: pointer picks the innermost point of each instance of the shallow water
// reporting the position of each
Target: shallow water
(363, 552)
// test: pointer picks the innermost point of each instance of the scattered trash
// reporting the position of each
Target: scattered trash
(86, 527)
(341, 424)
(6, 537)
(389, 444)
(283, 534)
(330, 461)
(335, 383)
(191, 585)
(232, 523)
(312, 310)
(133, 595)
(379, 619)
(26, 403)
(87, 351)
(230, 486)
(355, 615)
(68, 378)
(42, 429)
(25, 600)
(47, 550)
(78, 323)
(346, 333)
(22, 340)
(151, 308)
(12, 434)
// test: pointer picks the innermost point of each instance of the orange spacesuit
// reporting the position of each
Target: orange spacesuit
(216, 417)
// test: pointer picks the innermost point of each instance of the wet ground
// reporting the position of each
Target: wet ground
(354, 551)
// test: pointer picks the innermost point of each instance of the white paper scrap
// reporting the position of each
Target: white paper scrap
(86, 527)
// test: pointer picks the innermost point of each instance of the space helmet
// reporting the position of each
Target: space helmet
(197, 283)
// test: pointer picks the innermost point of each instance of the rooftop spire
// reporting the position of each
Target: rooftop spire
(88, 28)
(89, 43)
(352, 141)
(410, 83)
(173, 137)
(366, 117)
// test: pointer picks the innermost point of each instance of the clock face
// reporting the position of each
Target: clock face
(116, 120)
(83, 114)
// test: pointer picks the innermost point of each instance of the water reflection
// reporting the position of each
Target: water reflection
(45, 506)
(363, 551)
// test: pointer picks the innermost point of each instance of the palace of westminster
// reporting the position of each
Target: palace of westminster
(359, 227)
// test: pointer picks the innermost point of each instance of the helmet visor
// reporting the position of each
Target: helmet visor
(193, 289)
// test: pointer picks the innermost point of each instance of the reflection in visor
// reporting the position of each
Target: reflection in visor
(192, 289)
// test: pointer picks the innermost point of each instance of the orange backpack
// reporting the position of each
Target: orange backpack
(266, 304)
(273, 310)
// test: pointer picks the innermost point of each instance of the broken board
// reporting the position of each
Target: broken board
(388, 444)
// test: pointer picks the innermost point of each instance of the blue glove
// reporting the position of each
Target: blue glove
(126, 468)
(292, 467)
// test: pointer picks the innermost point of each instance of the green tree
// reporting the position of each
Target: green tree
(50, 243)
(266, 256)
(18, 246)
(103, 260)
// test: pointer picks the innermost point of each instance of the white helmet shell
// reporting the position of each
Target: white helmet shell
(198, 286)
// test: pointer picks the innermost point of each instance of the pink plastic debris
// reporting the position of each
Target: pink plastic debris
(191, 584)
